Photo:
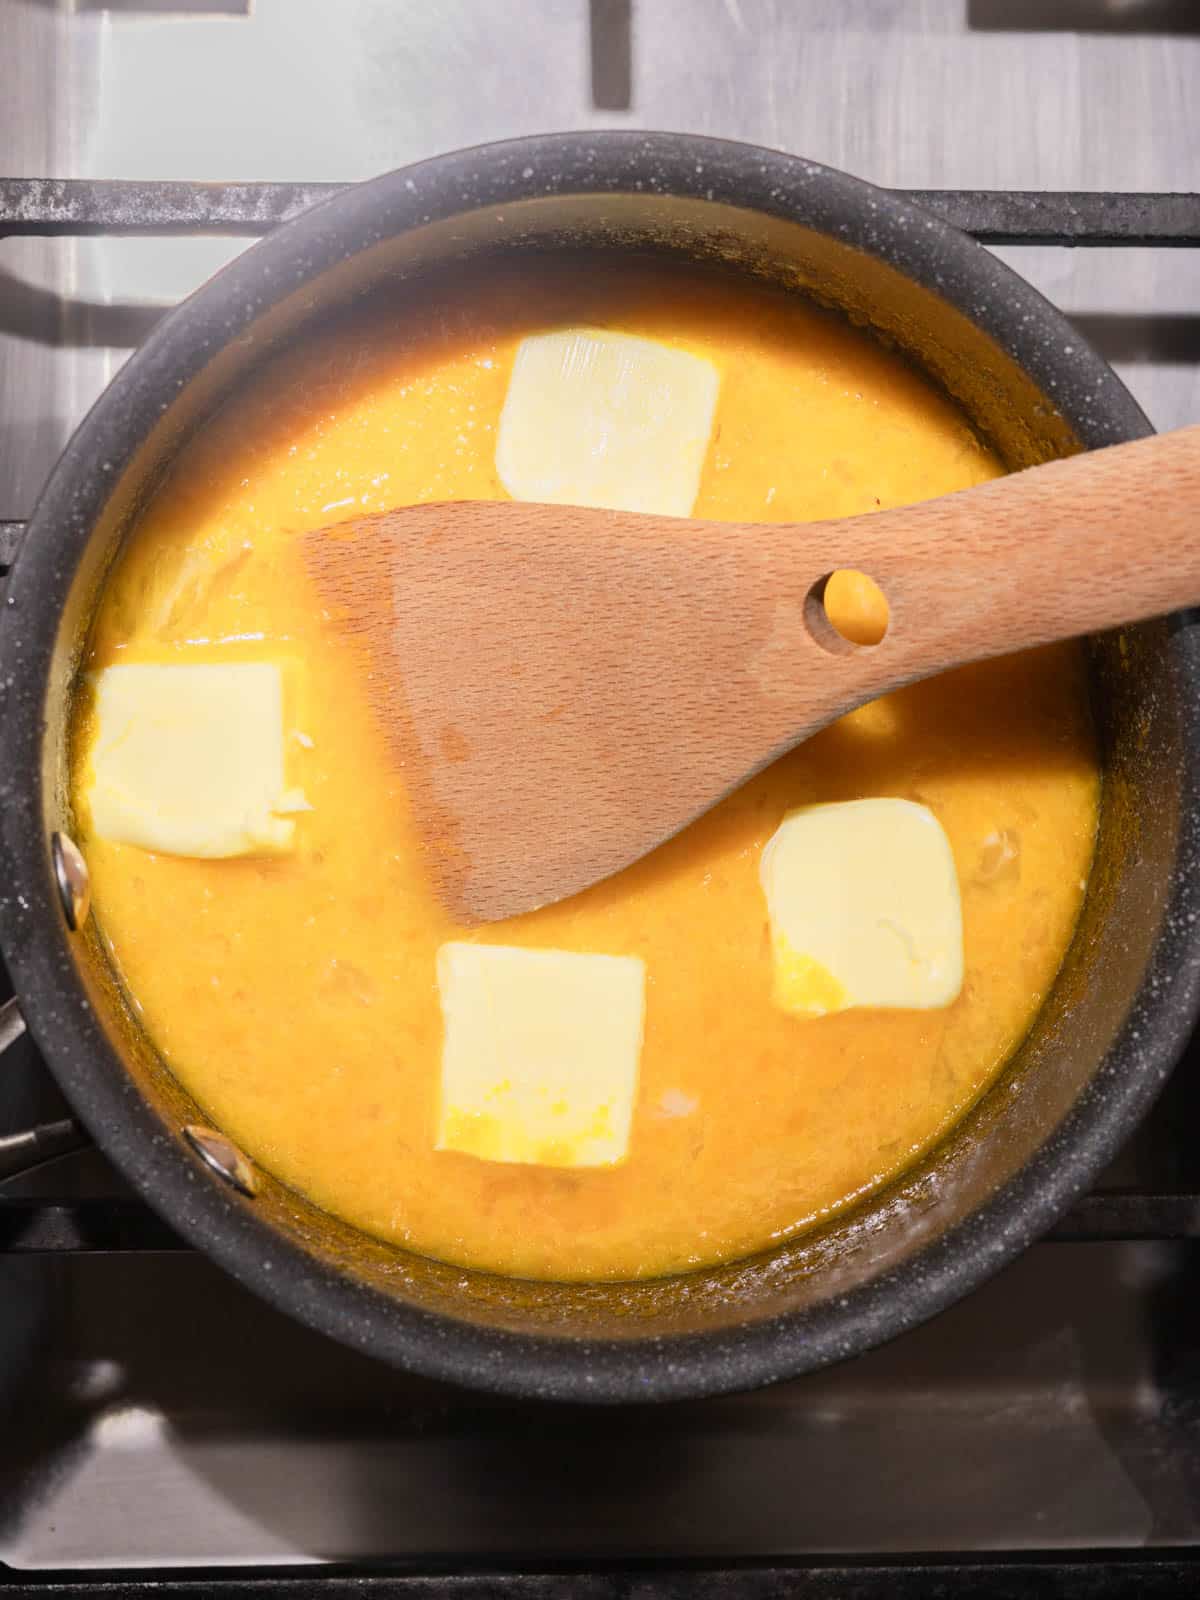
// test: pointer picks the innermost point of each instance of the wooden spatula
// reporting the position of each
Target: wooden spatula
(567, 688)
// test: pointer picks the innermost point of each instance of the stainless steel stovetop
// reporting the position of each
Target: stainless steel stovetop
(155, 1416)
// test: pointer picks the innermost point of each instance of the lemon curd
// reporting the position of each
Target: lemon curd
(296, 995)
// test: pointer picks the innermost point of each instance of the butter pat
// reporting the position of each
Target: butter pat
(593, 418)
(541, 1052)
(864, 908)
(188, 760)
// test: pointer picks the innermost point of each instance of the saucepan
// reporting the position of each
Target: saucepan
(1107, 1034)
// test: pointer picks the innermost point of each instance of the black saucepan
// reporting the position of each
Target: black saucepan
(1108, 1033)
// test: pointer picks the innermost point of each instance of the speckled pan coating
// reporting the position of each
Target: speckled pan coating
(1110, 1033)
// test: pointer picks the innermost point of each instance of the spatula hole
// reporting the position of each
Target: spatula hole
(847, 610)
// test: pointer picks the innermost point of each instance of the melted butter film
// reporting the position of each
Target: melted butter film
(297, 997)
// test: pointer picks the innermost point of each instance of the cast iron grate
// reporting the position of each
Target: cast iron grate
(81, 208)
(1170, 1576)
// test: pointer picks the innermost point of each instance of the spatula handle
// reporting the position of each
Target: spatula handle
(1070, 547)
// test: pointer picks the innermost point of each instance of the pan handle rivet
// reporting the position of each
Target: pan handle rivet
(224, 1158)
(71, 877)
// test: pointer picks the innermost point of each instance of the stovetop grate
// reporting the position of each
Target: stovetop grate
(1017, 1578)
(84, 208)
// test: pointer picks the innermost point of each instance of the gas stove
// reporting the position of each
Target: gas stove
(163, 1431)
